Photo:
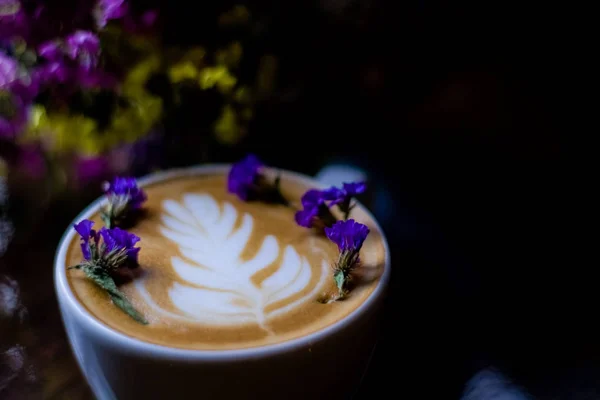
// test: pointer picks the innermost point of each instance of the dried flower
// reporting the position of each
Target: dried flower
(343, 197)
(84, 47)
(106, 10)
(104, 253)
(246, 182)
(349, 236)
(124, 196)
(315, 211)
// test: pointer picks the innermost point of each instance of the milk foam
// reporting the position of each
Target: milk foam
(218, 288)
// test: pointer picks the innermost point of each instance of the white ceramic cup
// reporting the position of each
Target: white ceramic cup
(329, 363)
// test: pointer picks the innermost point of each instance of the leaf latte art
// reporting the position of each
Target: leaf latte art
(215, 285)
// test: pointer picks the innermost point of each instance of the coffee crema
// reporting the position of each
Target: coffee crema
(219, 273)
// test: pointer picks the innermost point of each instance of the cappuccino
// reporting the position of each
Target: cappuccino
(219, 273)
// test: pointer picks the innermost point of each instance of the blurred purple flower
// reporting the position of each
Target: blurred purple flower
(125, 190)
(106, 10)
(243, 177)
(52, 73)
(51, 50)
(90, 169)
(9, 70)
(84, 47)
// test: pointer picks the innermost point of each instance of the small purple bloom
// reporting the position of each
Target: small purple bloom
(89, 169)
(127, 189)
(83, 46)
(243, 176)
(344, 195)
(348, 235)
(109, 9)
(51, 50)
(54, 72)
(84, 229)
(355, 188)
(312, 203)
(117, 240)
(9, 71)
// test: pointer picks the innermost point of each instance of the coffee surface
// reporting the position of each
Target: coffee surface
(219, 273)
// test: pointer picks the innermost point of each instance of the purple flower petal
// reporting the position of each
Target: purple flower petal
(117, 239)
(306, 217)
(109, 9)
(127, 187)
(348, 235)
(243, 176)
(51, 50)
(84, 229)
(355, 188)
(83, 46)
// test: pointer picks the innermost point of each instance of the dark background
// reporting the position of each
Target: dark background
(456, 112)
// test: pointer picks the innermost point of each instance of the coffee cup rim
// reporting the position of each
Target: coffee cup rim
(143, 348)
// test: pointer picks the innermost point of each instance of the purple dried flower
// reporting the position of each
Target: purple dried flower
(117, 240)
(244, 176)
(343, 197)
(117, 248)
(83, 46)
(104, 258)
(315, 211)
(313, 204)
(124, 196)
(348, 235)
(106, 10)
(127, 189)
(84, 228)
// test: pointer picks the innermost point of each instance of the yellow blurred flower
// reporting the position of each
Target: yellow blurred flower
(62, 132)
(227, 128)
(183, 71)
(219, 76)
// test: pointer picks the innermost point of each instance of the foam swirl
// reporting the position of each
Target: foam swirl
(219, 289)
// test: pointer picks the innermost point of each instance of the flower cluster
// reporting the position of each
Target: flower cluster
(247, 182)
(109, 250)
(316, 204)
(123, 197)
(349, 236)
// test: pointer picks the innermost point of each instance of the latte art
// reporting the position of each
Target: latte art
(219, 289)
(216, 272)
